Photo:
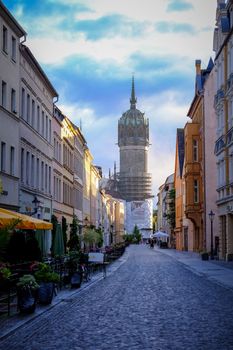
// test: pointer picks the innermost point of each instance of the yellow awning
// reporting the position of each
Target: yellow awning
(26, 222)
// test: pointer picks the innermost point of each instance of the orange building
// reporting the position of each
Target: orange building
(194, 206)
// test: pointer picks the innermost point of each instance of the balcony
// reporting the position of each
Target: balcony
(229, 137)
(219, 145)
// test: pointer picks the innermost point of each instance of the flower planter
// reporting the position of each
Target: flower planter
(45, 293)
(26, 300)
(76, 280)
(205, 256)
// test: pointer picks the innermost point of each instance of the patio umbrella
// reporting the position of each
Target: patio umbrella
(40, 236)
(25, 222)
(160, 234)
(58, 246)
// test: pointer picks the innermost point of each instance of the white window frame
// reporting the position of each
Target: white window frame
(196, 191)
(13, 48)
(12, 160)
(13, 101)
(4, 94)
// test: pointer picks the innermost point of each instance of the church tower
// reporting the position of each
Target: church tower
(134, 180)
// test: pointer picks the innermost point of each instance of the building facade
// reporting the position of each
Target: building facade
(180, 234)
(11, 33)
(223, 47)
(36, 150)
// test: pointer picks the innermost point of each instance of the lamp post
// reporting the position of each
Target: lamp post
(36, 203)
(211, 216)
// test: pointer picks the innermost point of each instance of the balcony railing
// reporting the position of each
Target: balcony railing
(219, 144)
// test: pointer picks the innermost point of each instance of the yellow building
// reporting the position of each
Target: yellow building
(181, 240)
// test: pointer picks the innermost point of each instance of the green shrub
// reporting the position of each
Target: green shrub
(27, 281)
(45, 274)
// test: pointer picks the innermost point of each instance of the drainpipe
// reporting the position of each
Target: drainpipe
(204, 172)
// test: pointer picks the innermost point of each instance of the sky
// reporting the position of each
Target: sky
(89, 49)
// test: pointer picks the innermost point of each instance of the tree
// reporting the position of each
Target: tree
(5, 235)
(64, 231)
(136, 234)
(93, 237)
(74, 242)
(155, 219)
(54, 222)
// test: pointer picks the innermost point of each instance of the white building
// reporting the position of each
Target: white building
(36, 150)
(223, 47)
(11, 33)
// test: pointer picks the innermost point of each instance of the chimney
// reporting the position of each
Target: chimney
(198, 67)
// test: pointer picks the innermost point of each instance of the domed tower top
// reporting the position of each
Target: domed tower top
(133, 126)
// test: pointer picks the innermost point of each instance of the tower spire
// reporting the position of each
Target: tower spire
(133, 99)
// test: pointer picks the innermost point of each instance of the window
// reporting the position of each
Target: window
(13, 48)
(38, 119)
(46, 127)
(32, 170)
(50, 130)
(42, 130)
(46, 178)
(195, 151)
(28, 108)
(231, 168)
(50, 179)
(3, 156)
(13, 101)
(22, 165)
(42, 176)
(3, 94)
(54, 187)
(38, 173)
(33, 113)
(4, 39)
(23, 103)
(12, 161)
(196, 191)
(27, 167)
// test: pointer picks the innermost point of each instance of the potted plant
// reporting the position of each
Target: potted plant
(46, 279)
(74, 267)
(204, 255)
(27, 294)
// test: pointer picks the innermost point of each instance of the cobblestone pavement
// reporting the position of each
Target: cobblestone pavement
(151, 302)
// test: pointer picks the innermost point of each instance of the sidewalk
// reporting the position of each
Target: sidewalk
(10, 324)
(217, 271)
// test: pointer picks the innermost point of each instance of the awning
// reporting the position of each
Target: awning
(8, 217)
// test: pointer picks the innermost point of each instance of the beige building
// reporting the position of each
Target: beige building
(88, 158)
(79, 146)
(94, 197)
(11, 33)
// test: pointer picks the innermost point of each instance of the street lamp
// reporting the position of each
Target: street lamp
(211, 216)
(36, 203)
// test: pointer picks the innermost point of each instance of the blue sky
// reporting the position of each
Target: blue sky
(90, 48)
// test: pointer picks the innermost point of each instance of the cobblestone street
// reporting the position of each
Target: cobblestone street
(151, 302)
